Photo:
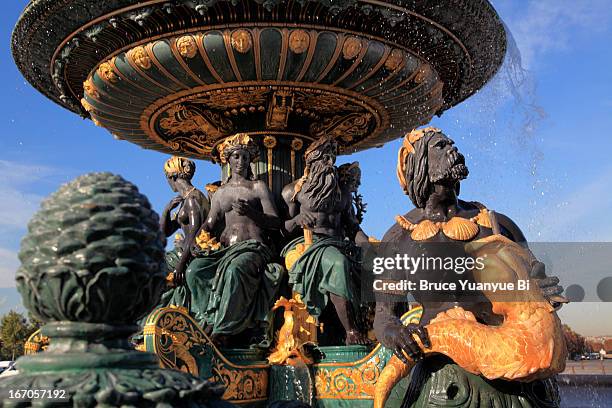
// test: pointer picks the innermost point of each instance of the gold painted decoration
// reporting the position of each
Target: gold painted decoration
(351, 48)
(205, 241)
(36, 343)
(299, 40)
(90, 88)
(177, 165)
(348, 383)
(457, 228)
(241, 384)
(241, 40)
(140, 57)
(269, 143)
(86, 105)
(296, 145)
(460, 229)
(346, 127)
(106, 72)
(423, 74)
(483, 218)
(180, 119)
(299, 329)
(528, 345)
(280, 107)
(186, 46)
(394, 59)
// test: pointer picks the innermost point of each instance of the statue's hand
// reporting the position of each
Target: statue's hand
(173, 203)
(306, 220)
(403, 339)
(243, 207)
(552, 291)
(179, 275)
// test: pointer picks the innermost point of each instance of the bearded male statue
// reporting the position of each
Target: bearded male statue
(430, 169)
(328, 271)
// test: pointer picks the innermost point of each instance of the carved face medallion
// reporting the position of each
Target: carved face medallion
(105, 71)
(241, 41)
(140, 57)
(394, 60)
(186, 46)
(352, 47)
(299, 40)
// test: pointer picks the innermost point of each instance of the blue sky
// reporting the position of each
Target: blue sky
(538, 148)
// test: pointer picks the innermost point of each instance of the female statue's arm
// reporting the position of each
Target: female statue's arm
(267, 218)
(193, 210)
(166, 223)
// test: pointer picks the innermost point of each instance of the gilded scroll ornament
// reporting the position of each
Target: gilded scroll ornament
(269, 143)
(347, 127)
(241, 41)
(140, 57)
(86, 105)
(181, 119)
(241, 385)
(186, 46)
(357, 382)
(299, 40)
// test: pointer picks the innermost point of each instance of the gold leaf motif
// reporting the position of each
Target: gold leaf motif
(460, 229)
(186, 46)
(269, 142)
(351, 48)
(299, 40)
(241, 40)
(140, 57)
(297, 144)
(105, 71)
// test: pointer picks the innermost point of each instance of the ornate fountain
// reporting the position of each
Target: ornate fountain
(201, 79)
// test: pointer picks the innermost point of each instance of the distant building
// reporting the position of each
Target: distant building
(597, 343)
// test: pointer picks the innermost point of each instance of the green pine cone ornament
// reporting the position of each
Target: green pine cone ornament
(93, 254)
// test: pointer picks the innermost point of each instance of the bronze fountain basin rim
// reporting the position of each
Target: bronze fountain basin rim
(38, 35)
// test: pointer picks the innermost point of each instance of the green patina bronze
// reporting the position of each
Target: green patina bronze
(438, 382)
(92, 264)
(329, 265)
(216, 279)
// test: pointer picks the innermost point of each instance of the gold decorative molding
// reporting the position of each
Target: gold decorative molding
(269, 143)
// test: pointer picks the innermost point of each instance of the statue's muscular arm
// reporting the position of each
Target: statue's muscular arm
(295, 218)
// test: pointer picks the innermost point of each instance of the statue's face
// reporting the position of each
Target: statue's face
(172, 183)
(239, 162)
(446, 164)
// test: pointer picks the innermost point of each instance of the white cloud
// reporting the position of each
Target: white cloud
(8, 266)
(553, 25)
(17, 205)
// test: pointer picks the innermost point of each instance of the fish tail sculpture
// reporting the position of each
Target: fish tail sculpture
(527, 346)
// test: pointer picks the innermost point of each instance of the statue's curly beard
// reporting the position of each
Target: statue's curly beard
(321, 188)
(451, 170)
